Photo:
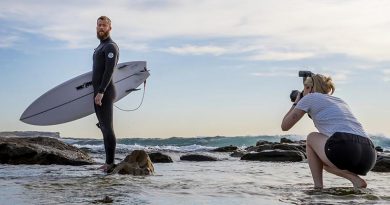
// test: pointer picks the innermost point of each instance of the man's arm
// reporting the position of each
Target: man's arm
(111, 58)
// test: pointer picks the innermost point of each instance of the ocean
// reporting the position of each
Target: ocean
(227, 181)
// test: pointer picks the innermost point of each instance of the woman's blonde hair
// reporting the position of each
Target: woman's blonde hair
(320, 84)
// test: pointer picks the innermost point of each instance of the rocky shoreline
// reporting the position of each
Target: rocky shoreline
(46, 148)
(40, 150)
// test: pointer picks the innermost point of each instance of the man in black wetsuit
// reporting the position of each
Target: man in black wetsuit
(105, 59)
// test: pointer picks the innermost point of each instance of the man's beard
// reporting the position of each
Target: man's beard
(102, 36)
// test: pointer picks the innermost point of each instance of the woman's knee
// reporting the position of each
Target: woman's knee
(311, 138)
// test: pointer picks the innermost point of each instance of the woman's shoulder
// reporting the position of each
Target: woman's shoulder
(326, 97)
(316, 95)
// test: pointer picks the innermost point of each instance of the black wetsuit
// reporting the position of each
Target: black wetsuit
(105, 59)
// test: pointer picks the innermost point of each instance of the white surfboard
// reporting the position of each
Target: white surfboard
(73, 99)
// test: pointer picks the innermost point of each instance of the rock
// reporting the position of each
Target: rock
(259, 148)
(239, 153)
(230, 148)
(251, 148)
(136, 163)
(382, 164)
(40, 150)
(158, 157)
(262, 142)
(379, 149)
(285, 140)
(296, 147)
(289, 147)
(105, 200)
(197, 157)
(275, 156)
(86, 149)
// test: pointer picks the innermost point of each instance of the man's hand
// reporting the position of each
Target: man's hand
(98, 99)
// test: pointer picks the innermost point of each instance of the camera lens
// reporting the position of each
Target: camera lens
(294, 95)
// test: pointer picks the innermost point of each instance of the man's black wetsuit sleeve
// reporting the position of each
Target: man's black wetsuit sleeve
(111, 57)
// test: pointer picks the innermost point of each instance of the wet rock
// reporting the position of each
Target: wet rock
(40, 150)
(382, 164)
(379, 149)
(86, 149)
(262, 142)
(285, 140)
(105, 200)
(260, 148)
(295, 147)
(229, 148)
(158, 157)
(197, 158)
(289, 147)
(239, 153)
(137, 163)
(275, 156)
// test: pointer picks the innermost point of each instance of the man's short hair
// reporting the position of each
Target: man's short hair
(104, 18)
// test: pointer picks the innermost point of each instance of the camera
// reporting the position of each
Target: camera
(294, 93)
(305, 74)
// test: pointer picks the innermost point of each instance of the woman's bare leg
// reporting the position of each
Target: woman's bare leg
(315, 163)
(354, 178)
(315, 150)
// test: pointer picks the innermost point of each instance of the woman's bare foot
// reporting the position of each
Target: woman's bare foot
(359, 182)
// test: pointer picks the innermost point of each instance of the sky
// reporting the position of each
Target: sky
(218, 67)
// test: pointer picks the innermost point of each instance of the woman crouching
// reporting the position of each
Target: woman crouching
(340, 146)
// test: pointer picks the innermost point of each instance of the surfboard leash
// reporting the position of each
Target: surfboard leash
(142, 100)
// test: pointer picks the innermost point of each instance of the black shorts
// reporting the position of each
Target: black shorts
(351, 152)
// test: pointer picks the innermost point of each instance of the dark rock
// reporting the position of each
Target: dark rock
(105, 200)
(379, 149)
(275, 156)
(239, 153)
(158, 157)
(197, 157)
(40, 150)
(260, 148)
(230, 148)
(285, 140)
(382, 164)
(289, 147)
(262, 142)
(86, 149)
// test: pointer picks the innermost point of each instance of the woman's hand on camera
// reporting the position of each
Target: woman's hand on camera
(298, 98)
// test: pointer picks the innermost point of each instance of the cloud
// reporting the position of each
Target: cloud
(275, 73)
(307, 28)
(9, 41)
(340, 76)
(281, 56)
(197, 50)
(386, 75)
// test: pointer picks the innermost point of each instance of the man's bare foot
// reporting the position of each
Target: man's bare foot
(107, 167)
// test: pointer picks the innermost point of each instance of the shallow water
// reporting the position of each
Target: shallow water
(229, 181)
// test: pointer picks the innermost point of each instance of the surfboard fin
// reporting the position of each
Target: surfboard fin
(133, 89)
(122, 67)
